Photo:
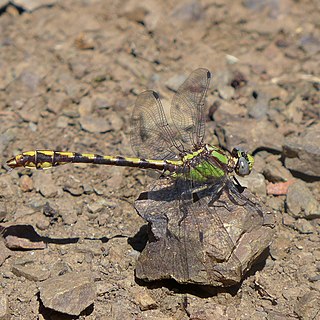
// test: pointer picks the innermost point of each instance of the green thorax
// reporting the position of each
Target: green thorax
(199, 168)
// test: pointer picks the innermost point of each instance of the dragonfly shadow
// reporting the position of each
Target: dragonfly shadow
(25, 237)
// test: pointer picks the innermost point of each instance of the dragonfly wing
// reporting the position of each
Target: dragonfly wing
(188, 107)
(151, 135)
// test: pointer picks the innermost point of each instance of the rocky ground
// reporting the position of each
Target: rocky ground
(70, 73)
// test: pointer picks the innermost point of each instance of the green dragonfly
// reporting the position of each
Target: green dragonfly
(178, 151)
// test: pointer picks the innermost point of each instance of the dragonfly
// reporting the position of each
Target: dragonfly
(176, 150)
(180, 153)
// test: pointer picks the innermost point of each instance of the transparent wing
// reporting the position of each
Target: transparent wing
(188, 108)
(151, 135)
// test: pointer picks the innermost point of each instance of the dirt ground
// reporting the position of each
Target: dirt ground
(70, 73)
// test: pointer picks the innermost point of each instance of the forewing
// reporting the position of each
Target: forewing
(188, 107)
(151, 135)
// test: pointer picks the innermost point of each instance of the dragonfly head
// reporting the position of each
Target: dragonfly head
(244, 162)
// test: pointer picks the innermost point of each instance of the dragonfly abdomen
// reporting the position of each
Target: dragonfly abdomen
(44, 159)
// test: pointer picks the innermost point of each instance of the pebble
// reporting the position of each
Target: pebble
(44, 183)
(243, 132)
(97, 206)
(274, 171)
(26, 183)
(303, 152)
(94, 124)
(70, 293)
(174, 82)
(67, 210)
(144, 301)
(301, 202)
(31, 271)
(255, 182)
(226, 92)
(304, 226)
(16, 243)
(280, 188)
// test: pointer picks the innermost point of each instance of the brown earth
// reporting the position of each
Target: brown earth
(70, 73)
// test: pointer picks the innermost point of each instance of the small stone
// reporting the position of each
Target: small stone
(4, 310)
(67, 210)
(226, 92)
(26, 183)
(62, 122)
(94, 124)
(144, 301)
(44, 183)
(274, 171)
(31, 271)
(280, 188)
(70, 293)
(13, 242)
(174, 82)
(97, 206)
(255, 182)
(301, 203)
(304, 226)
(303, 152)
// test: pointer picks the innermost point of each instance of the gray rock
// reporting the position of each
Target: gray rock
(175, 82)
(304, 226)
(301, 203)
(226, 92)
(70, 293)
(274, 171)
(94, 124)
(203, 243)
(246, 133)
(303, 152)
(255, 182)
(45, 184)
(31, 271)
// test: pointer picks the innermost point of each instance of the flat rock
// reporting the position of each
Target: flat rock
(31, 271)
(70, 293)
(197, 242)
(274, 171)
(94, 124)
(44, 183)
(301, 202)
(247, 133)
(17, 243)
(303, 152)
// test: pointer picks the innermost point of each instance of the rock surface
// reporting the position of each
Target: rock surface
(70, 293)
(198, 242)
